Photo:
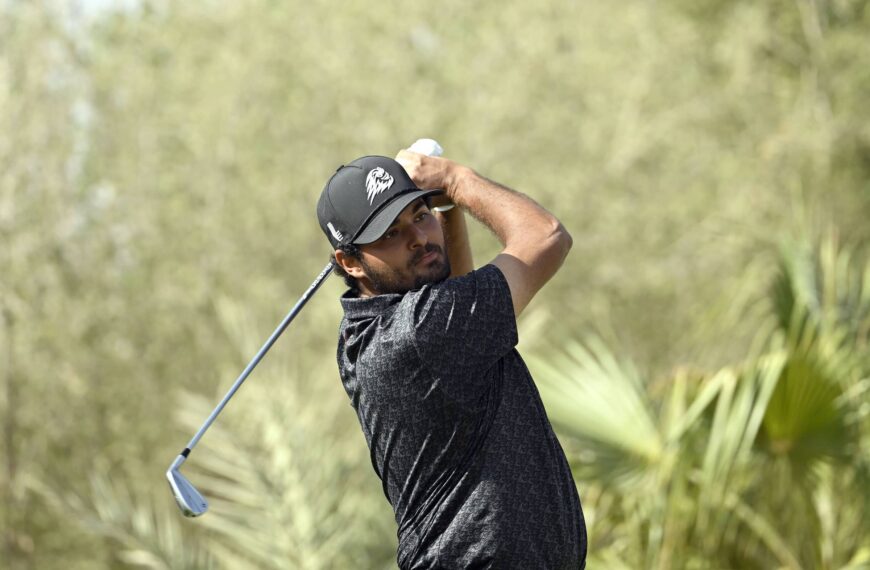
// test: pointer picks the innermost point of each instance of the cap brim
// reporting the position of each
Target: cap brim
(382, 221)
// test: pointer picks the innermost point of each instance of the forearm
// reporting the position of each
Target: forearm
(456, 237)
(520, 223)
(535, 242)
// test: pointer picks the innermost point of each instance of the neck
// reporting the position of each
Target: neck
(365, 289)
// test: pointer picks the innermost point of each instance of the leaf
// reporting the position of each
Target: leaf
(592, 396)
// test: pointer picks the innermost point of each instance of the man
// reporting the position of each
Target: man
(455, 426)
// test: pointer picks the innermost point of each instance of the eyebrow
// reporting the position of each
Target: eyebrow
(420, 203)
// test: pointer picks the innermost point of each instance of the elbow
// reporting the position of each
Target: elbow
(559, 240)
(542, 247)
(565, 239)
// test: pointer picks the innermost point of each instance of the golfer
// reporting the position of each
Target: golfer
(454, 423)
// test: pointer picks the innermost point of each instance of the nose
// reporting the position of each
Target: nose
(418, 238)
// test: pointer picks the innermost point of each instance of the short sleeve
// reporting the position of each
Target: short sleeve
(465, 324)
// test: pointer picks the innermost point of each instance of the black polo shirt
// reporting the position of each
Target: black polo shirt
(456, 428)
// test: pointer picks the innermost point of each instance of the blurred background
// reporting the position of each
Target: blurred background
(703, 353)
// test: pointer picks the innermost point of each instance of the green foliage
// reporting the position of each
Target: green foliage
(276, 503)
(141, 537)
(756, 467)
(159, 165)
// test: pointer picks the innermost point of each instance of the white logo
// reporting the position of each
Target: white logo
(377, 181)
(335, 233)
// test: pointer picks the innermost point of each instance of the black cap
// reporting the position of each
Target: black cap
(363, 198)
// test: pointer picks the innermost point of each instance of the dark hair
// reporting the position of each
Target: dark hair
(352, 251)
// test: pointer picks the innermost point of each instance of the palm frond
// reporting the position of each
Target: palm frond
(147, 530)
(766, 532)
(726, 459)
(594, 397)
(822, 285)
(806, 420)
(283, 494)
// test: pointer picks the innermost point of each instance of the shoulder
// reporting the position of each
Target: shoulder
(488, 277)
(471, 303)
(463, 323)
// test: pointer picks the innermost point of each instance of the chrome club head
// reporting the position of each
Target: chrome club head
(189, 500)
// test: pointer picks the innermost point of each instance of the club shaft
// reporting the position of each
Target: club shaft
(256, 360)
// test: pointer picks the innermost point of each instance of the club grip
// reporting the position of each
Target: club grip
(429, 147)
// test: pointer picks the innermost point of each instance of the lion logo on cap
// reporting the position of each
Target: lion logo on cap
(377, 181)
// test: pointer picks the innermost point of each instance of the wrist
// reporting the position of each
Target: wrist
(455, 179)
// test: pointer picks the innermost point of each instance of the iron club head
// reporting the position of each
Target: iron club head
(189, 500)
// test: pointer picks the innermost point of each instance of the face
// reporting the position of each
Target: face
(410, 254)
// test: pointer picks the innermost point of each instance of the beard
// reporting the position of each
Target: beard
(412, 276)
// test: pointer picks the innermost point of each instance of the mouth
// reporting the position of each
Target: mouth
(428, 257)
(432, 255)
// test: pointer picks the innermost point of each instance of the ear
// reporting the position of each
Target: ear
(351, 266)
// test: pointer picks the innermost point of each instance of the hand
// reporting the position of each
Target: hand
(429, 172)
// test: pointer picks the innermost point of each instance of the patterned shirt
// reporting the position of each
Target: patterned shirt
(456, 428)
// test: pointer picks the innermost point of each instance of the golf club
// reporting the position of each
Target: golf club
(190, 501)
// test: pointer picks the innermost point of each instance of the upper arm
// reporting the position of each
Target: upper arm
(529, 263)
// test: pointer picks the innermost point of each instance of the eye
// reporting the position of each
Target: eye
(422, 215)
(389, 234)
